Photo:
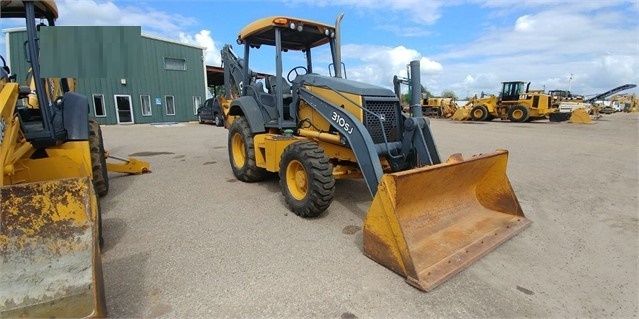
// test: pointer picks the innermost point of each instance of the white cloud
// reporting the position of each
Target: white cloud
(165, 24)
(544, 42)
(204, 39)
(600, 48)
(378, 64)
(524, 23)
(418, 11)
(91, 12)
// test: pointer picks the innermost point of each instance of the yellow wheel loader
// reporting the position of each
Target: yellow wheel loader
(53, 165)
(429, 219)
(515, 103)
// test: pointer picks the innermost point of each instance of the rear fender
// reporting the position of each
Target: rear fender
(247, 107)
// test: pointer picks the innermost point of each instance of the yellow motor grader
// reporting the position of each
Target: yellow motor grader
(429, 218)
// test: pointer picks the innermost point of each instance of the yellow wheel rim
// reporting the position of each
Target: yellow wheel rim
(478, 113)
(518, 114)
(296, 179)
(239, 157)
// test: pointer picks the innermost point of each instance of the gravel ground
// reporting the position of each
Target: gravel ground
(189, 240)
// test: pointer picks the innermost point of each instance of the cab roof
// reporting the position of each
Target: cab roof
(46, 9)
(262, 31)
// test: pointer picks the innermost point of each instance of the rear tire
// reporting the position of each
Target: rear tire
(218, 121)
(98, 160)
(479, 113)
(242, 152)
(199, 119)
(306, 179)
(518, 113)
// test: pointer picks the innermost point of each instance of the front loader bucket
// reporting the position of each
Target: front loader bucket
(429, 223)
(580, 116)
(49, 253)
(461, 114)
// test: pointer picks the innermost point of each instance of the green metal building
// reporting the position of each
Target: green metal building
(169, 88)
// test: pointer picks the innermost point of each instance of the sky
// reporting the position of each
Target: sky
(467, 46)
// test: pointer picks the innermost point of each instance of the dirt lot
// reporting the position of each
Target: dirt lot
(189, 240)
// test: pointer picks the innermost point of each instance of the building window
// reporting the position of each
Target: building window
(98, 105)
(145, 104)
(197, 101)
(170, 107)
(174, 64)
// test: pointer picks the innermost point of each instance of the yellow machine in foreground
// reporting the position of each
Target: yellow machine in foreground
(429, 218)
(50, 221)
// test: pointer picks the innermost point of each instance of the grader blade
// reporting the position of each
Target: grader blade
(429, 223)
(49, 251)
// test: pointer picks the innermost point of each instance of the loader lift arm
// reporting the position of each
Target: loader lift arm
(417, 136)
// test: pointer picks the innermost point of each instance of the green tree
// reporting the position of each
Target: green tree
(426, 94)
(405, 98)
(449, 94)
(217, 90)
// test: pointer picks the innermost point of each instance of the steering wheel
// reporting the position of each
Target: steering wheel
(288, 76)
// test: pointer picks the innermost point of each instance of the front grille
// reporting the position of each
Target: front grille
(391, 112)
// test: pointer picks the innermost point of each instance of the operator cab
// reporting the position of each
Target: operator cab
(285, 34)
(52, 121)
(512, 90)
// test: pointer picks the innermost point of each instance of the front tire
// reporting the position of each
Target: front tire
(479, 113)
(518, 113)
(242, 152)
(98, 160)
(306, 179)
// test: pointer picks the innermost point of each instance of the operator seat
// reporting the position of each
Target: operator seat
(271, 82)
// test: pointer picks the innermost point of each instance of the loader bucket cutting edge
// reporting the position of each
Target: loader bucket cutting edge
(461, 115)
(49, 253)
(427, 224)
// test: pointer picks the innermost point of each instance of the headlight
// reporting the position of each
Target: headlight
(292, 25)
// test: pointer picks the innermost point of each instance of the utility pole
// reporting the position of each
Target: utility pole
(570, 82)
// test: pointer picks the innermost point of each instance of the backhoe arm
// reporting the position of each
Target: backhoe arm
(233, 73)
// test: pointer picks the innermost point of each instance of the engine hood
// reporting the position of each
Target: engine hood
(344, 85)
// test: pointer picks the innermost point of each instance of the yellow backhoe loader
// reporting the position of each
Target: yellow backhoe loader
(429, 218)
(50, 222)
